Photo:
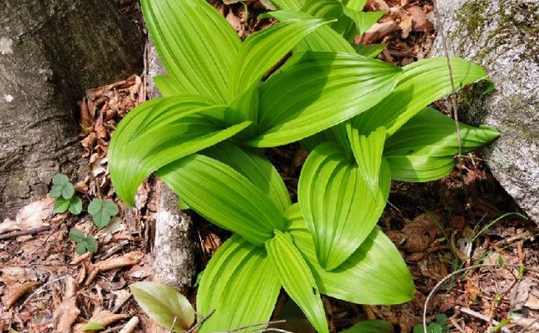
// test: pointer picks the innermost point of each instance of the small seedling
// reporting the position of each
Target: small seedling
(93, 326)
(64, 196)
(74, 205)
(439, 325)
(102, 212)
(84, 243)
(61, 187)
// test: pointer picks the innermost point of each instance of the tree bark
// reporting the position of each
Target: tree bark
(51, 51)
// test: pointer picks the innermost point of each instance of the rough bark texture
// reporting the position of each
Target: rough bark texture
(174, 261)
(503, 36)
(51, 51)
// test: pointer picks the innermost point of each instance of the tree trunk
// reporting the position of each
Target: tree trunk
(51, 51)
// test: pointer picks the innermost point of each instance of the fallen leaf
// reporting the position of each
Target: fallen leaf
(127, 259)
(419, 18)
(378, 31)
(405, 25)
(17, 291)
(103, 318)
(67, 312)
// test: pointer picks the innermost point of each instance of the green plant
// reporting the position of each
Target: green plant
(370, 326)
(400, 138)
(370, 123)
(439, 325)
(84, 243)
(213, 90)
(64, 196)
(102, 212)
(272, 248)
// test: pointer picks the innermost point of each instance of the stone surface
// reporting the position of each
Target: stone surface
(50, 53)
(503, 36)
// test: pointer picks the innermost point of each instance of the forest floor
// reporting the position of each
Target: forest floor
(465, 221)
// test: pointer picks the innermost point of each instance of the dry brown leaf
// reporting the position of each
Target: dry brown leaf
(86, 119)
(378, 31)
(128, 259)
(406, 26)
(420, 20)
(103, 317)
(17, 291)
(67, 312)
(421, 232)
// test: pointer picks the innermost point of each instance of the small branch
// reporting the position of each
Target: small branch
(30, 232)
(482, 317)
(442, 281)
(452, 100)
(130, 326)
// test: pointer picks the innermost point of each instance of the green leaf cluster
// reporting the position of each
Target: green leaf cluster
(102, 212)
(439, 325)
(366, 123)
(63, 191)
(64, 196)
(84, 243)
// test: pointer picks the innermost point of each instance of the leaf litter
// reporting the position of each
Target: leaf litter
(46, 287)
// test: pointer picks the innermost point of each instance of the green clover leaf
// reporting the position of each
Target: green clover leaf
(84, 243)
(61, 187)
(102, 212)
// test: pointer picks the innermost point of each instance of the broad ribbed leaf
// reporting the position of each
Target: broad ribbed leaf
(224, 196)
(363, 20)
(165, 305)
(167, 86)
(356, 4)
(159, 132)
(261, 51)
(196, 45)
(370, 326)
(257, 169)
(317, 92)
(239, 286)
(297, 279)
(421, 83)
(375, 274)
(289, 4)
(423, 149)
(340, 206)
(367, 151)
(324, 39)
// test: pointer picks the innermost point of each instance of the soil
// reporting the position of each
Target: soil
(459, 222)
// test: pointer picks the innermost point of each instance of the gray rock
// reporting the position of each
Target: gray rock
(503, 36)
(50, 53)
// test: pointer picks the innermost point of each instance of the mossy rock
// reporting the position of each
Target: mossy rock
(503, 36)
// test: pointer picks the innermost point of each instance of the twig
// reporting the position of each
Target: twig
(442, 281)
(130, 326)
(484, 318)
(457, 326)
(201, 322)
(485, 228)
(30, 232)
(38, 290)
(452, 100)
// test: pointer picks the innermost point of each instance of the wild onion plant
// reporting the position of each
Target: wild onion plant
(367, 122)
